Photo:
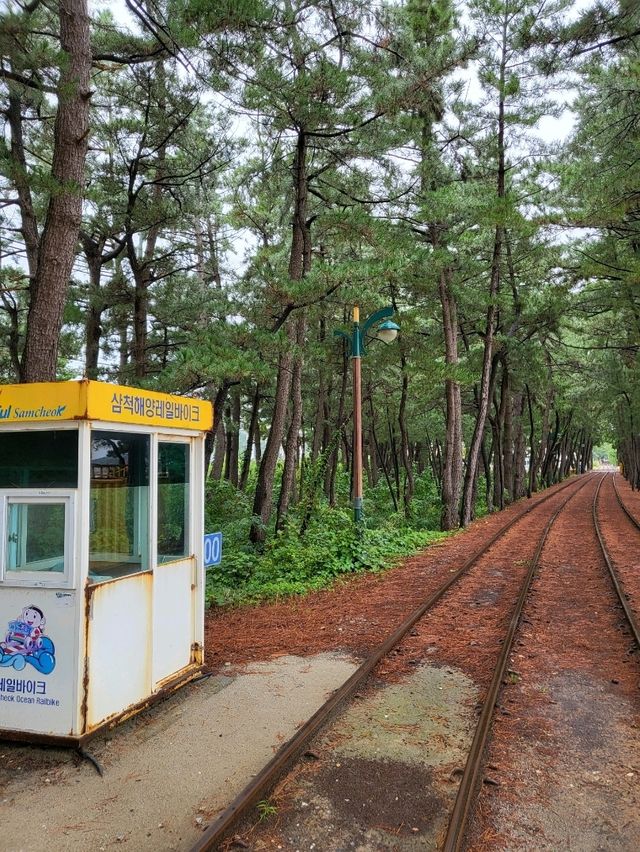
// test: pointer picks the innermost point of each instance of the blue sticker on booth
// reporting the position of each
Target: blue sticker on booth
(212, 549)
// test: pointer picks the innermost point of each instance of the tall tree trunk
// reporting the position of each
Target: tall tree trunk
(332, 465)
(394, 455)
(488, 480)
(293, 437)
(228, 441)
(251, 437)
(215, 439)
(219, 450)
(532, 446)
(10, 306)
(142, 269)
(519, 449)
(492, 310)
(506, 406)
(93, 320)
(141, 262)
(298, 259)
(56, 250)
(476, 441)
(383, 465)
(544, 437)
(405, 449)
(496, 444)
(319, 424)
(233, 438)
(257, 443)
(435, 460)
(28, 221)
(123, 348)
(264, 486)
(452, 464)
(499, 449)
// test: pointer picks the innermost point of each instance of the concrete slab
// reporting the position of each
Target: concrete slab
(167, 770)
(388, 769)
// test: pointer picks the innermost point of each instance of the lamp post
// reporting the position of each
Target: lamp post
(387, 331)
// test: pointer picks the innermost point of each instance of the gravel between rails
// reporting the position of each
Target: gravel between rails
(566, 744)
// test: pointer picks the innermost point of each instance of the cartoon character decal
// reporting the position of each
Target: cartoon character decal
(25, 642)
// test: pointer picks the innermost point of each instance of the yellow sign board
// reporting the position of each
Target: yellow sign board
(87, 400)
(41, 401)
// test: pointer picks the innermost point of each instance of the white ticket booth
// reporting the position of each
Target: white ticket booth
(101, 563)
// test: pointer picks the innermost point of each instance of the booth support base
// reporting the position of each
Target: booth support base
(169, 686)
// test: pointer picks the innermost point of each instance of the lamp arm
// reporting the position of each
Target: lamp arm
(375, 317)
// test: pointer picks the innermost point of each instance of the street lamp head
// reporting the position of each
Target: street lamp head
(387, 331)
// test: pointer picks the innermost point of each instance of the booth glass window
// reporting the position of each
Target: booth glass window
(35, 537)
(173, 501)
(119, 505)
(39, 459)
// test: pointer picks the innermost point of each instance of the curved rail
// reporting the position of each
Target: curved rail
(258, 787)
(633, 624)
(464, 798)
(624, 508)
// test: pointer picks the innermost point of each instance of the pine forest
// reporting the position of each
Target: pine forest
(194, 197)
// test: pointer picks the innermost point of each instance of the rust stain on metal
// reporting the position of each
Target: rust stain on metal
(105, 583)
(84, 706)
(187, 675)
(197, 653)
(181, 676)
(171, 685)
(33, 738)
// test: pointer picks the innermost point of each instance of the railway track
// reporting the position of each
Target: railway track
(574, 690)
(470, 778)
(223, 826)
(616, 579)
(623, 506)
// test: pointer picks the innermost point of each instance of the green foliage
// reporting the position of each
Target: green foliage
(330, 548)
(266, 809)
(604, 454)
(199, 112)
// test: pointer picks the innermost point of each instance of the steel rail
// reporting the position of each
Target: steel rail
(468, 782)
(633, 624)
(258, 787)
(624, 508)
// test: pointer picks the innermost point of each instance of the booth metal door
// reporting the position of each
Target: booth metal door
(174, 581)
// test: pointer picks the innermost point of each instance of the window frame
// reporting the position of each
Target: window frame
(177, 438)
(145, 529)
(39, 496)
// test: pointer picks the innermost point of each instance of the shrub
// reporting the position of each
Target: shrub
(290, 564)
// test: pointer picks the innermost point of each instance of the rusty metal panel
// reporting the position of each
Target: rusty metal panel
(173, 618)
(119, 646)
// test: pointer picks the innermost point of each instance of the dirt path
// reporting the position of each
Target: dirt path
(168, 769)
(352, 616)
